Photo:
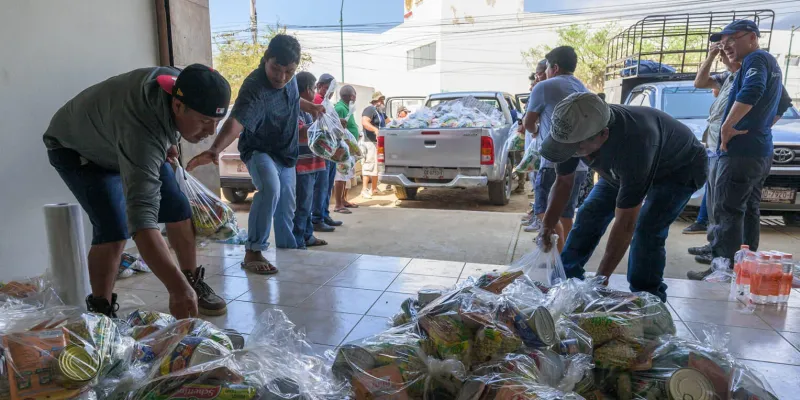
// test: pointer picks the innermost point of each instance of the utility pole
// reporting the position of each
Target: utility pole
(254, 22)
(341, 34)
(788, 55)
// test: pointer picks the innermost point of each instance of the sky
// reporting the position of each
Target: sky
(229, 15)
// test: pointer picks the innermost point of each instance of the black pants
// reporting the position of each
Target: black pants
(734, 196)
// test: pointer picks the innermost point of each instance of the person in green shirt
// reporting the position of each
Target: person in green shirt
(347, 96)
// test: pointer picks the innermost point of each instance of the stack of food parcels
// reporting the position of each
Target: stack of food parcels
(466, 112)
(211, 217)
(327, 138)
(498, 336)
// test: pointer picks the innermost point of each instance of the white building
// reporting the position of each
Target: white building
(454, 45)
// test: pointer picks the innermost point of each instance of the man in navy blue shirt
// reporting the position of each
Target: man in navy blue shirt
(745, 145)
(266, 115)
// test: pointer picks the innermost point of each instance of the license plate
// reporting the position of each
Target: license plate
(432, 173)
(241, 167)
(778, 195)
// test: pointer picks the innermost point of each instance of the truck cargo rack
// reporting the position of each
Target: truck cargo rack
(672, 46)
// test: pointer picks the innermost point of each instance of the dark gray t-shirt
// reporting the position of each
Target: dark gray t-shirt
(122, 124)
(645, 146)
(378, 120)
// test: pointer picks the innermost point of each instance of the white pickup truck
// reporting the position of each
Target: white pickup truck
(410, 159)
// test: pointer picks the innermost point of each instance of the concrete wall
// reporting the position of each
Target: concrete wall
(51, 51)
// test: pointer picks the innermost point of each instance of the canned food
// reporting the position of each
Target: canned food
(569, 346)
(537, 331)
(351, 358)
(190, 351)
(142, 318)
(76, 365)
(689, 383)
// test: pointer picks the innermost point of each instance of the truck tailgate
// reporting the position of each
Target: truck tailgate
(435, 147)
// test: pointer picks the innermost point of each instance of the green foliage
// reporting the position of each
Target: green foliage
(592, 47)
(236, 58)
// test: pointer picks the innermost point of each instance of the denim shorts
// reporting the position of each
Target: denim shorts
(99, 192)
(541, 191)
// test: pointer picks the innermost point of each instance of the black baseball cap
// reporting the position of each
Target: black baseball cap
(325, 78)
(201, 88)
(740, 25)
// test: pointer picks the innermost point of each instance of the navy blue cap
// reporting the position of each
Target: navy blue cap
(740, 25)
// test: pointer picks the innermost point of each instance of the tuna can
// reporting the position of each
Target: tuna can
(569, 346)
(352, 358)
(190, 351)
(76, 366)
(537, 331)
(689, 383)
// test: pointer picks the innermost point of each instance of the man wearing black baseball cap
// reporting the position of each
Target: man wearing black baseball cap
(110, 145)
(744, 152)
(639, 152)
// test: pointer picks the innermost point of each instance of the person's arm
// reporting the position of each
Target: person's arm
(529, 122)
(618, 239)
(753, 87)
(311, 108)
(536, 104)
(230, 131)
(557, 202)
(366, 120)
(703, 79)
(140, 159)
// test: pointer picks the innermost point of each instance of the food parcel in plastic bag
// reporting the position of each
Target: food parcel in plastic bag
(530, 160)
(466, 112)
(515, 141)
(211, 217)
(326, 136)
(542, 266)
(58, 353)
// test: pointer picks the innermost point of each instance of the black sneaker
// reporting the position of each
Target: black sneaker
(698, 251)
(695, 229)
(323, 227)
(704, 259)
(331, 222)
(698, 275)
(208, 302)
(100, 305)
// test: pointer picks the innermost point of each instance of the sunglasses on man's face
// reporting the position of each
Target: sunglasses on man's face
(731, 40)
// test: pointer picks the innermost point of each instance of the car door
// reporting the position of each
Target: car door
(412, 103)
(522, 100)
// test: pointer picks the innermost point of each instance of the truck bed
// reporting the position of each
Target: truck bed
(434, 147)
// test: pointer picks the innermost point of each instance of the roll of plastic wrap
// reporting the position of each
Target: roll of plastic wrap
(68, 265)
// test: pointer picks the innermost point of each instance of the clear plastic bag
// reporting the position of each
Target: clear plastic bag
(466, 112)
(542, 266)
(130, 265)
(211, 217)
(326, 136)
(530, 160)
(721, 271)
(515, 141)
(539, 374)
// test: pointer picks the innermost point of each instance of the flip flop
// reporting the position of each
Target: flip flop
(259, 267)
(351, 205)
(342, 211)
(317, 242)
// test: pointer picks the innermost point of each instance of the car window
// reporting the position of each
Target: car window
(649, 99)
(636, 98)
(687, 102)
(791, 113)
(511, 103)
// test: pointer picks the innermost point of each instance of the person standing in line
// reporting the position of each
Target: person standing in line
(112, 145)
(639, 152)
(347, 99)
(265, 117)
(373, 119)
(744, 151)
(560, 83)
(537, 76)
(324, 183)
(308, 167)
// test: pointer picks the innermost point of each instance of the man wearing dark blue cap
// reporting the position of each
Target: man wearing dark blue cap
(745, 144)
(110, 145)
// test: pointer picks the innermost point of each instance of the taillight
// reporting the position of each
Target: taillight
(381, 150)
(487, 150)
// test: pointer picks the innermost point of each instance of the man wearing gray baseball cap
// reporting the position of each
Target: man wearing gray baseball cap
(639, 152)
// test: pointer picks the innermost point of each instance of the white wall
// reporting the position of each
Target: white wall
(50, 51)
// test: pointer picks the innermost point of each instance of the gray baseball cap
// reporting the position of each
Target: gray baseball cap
(575, 119)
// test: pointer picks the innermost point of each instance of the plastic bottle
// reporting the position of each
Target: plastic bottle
(739, 269)
(759, 287)
(775, 277)
(786, 281)
(747, 268)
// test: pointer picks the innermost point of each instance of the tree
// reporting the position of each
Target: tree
(236, 58)
(592, 48)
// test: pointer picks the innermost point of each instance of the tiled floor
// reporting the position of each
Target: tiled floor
(341, 297)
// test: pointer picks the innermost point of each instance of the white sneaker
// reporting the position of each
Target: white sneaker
(365, 194)
(534, 226)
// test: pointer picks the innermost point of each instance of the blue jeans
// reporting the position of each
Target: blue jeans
(303, 228)
(647, 256)
(273, 203)
(702, 215)
(544, 183)
(323, 187)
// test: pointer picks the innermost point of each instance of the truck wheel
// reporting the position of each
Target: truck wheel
(236, 196)
(404, 193)
(500, 191)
